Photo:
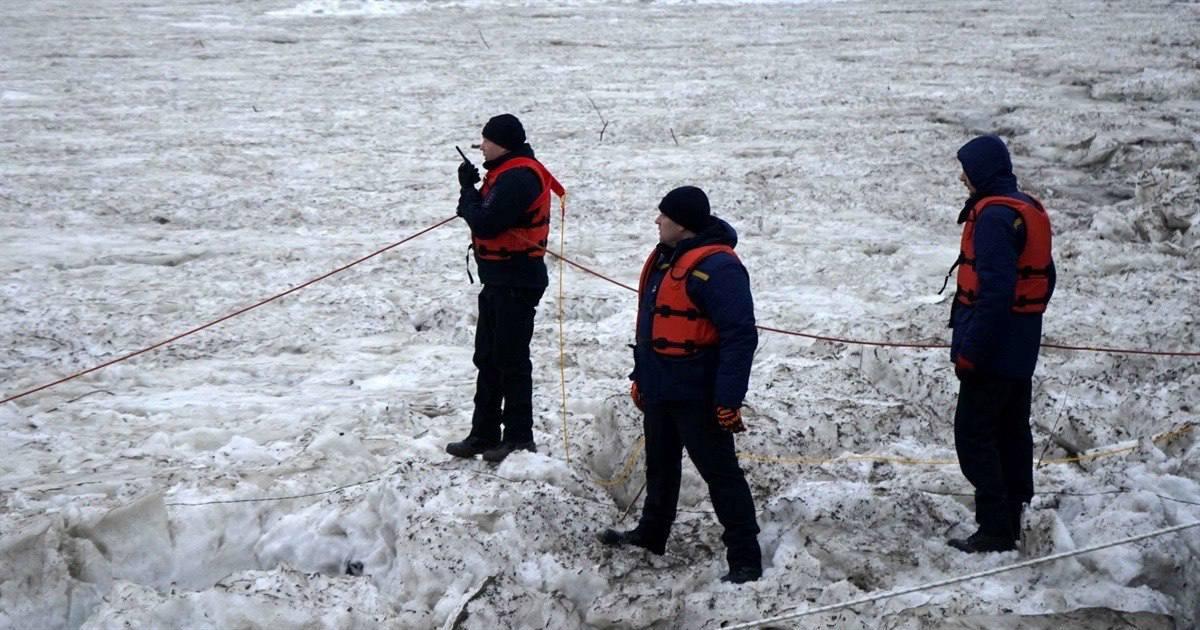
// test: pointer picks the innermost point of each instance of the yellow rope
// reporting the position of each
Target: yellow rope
(909, 461)
(891, 459)
(818, 461)
(562, 344)
(1125, 449)
(627, 469)
(635, 452)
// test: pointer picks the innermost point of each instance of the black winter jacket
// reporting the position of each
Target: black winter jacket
(504, 207)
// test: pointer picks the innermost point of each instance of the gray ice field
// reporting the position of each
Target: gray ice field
(164, 164)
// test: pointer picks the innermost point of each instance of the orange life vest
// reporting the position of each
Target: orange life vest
(677, 327)
(1033, 265)
(528, 238)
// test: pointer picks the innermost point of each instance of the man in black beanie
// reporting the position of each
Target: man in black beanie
(509, 217)
(695, 342)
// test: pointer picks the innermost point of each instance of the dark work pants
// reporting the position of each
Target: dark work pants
(671, 427)
(504, 388)
(995, 449)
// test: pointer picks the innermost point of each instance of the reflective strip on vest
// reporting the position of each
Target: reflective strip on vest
(530, 237)
(1032, 292)
(678, 328)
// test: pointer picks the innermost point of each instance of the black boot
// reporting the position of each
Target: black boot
(980, 542)
(741, 575)
(497, 454)
(469, 447)
(614, 538)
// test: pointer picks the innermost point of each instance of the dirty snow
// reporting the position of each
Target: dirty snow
(162, 165)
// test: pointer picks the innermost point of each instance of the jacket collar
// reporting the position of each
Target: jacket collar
(524, 150)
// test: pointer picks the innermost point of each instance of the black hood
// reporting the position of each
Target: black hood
(988, 166)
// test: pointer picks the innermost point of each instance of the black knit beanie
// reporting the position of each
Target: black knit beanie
(687, 206)
(506, 131)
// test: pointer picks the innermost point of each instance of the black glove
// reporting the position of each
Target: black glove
(467, 174)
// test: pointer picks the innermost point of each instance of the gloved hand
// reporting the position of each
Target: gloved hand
(730, 419)
(467, 174)
(636, 395)
(964, 369)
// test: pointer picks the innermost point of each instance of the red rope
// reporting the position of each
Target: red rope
(889, 344)
(859, 342)
(229, 316)
(585, 269)
(1159, 353)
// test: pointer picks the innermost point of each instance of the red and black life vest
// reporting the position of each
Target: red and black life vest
(1033, 265)
(677, 327)
(528, 238)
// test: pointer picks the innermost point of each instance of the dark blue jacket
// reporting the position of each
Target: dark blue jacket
(719, 375)
(505, 206)
(996, 340)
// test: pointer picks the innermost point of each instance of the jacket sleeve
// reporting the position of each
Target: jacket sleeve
(997, 246)
(505, 204)
(725, 296)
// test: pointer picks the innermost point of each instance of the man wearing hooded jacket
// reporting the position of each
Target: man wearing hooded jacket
(1006, 277)
(695, 342)
(509, 217)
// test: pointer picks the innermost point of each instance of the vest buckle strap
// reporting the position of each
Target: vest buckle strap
(691, 314)
(688, 346)
(503, 252)
(1022, 300)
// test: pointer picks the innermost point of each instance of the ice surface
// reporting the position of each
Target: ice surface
(163, 164)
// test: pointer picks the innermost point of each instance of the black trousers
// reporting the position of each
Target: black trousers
(504, 387)
(671, 427)
(995, 449)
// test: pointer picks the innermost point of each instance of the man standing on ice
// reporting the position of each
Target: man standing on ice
(1005, 279)
(509, 217)
(695, 343)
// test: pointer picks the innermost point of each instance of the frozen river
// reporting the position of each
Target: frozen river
(162, 165)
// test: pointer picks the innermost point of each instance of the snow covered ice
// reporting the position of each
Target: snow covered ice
(164, 164)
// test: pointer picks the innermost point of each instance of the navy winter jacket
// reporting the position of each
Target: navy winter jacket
(988, 334)
(507, 202)
(719, 375)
